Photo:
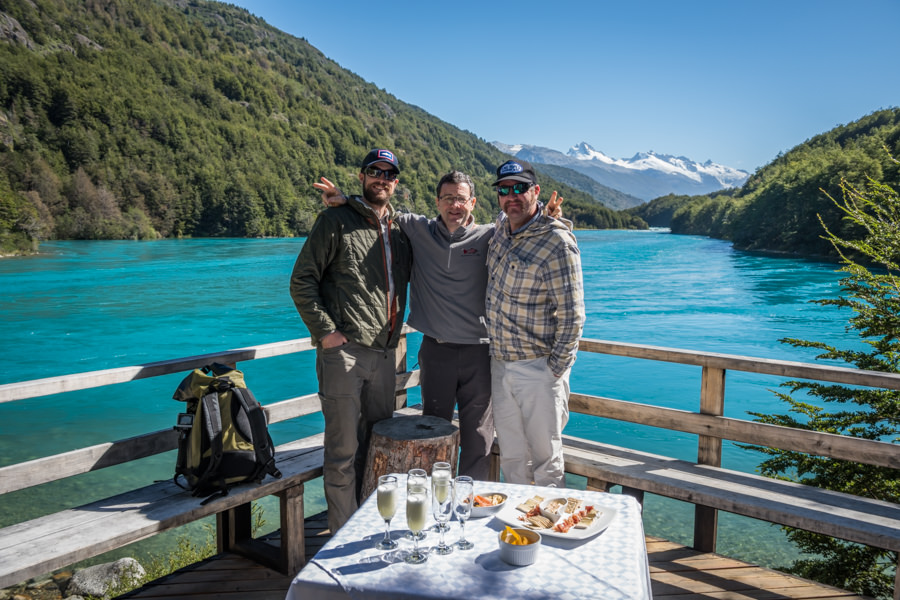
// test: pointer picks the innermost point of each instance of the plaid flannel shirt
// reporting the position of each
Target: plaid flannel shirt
(535, 293)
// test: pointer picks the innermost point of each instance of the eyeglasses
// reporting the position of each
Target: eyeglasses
(388, 175)
(451, 200)
(519, 188)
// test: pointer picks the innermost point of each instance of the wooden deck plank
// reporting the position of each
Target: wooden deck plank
(676, 572)
(680, 573)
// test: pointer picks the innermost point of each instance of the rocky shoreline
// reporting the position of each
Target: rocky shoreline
(94, 581)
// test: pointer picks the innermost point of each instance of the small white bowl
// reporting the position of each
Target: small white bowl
(520, 556)
(486, 511)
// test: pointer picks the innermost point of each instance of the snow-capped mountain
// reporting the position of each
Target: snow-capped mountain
(646, 175)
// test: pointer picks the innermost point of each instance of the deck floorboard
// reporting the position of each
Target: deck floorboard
(677, 573)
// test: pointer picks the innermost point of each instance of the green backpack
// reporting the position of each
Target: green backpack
(224, 439)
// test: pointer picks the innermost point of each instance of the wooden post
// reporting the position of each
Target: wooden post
(235, 534)
(897, 579)
(403, 443)
(233, 526)
(597, 485)
(400, 395)
(293, 538)
(709, 452)
(636, 493)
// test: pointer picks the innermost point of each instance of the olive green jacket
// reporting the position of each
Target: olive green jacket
(339, 282)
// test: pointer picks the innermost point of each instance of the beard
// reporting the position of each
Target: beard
(376, 197)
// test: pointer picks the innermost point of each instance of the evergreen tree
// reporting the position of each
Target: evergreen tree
(872, 293)
(138, 119)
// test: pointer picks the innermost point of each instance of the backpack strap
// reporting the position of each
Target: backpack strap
(212, 423)
(181, 459)
(262, 441)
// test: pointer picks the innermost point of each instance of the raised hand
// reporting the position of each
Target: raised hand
(552, 209)
(331, 195)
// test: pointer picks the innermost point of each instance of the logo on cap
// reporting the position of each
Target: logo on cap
(510, 168)
(386, 155)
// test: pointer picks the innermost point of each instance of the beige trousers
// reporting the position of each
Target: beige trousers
(531, 408)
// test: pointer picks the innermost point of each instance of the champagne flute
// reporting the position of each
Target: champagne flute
(416, 513)
(387, 506)
(416, 478)
(441, 472)
(442, 507)
(463, 495)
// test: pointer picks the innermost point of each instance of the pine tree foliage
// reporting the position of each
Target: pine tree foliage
(871, 291)
(146, 118)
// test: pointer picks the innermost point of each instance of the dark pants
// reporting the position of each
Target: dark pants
(356, 389)
(460, 375)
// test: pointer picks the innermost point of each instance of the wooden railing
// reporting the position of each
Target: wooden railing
(707, 421)
(711, 427)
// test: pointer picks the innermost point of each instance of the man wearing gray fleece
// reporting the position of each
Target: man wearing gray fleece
(447, 292)
(447, 289)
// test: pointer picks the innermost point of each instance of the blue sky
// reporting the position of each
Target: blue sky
(732, 81)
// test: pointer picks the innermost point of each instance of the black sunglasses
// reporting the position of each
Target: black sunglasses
(519, 188)
(388, 174)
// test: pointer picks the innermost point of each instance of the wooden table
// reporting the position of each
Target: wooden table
(611, 565)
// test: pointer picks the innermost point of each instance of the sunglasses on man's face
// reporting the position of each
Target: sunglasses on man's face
(388, 174)
(519, 188)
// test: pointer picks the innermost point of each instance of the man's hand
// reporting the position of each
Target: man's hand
(552, 209)
(333, 339)
(331, 195)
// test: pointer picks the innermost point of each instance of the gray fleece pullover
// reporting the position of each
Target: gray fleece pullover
(449, 278)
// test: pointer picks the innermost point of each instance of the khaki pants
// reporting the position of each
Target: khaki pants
(356, 389)
(531, 408)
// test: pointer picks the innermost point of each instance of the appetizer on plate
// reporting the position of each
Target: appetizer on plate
(556, 514)
(487, 504)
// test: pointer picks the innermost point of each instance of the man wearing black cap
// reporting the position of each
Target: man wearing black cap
(535, 312)
(349, 285)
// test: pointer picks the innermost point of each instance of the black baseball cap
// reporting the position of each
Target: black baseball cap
(516, 170)
(378, 155)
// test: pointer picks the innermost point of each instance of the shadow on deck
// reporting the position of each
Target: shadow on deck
(677, 573)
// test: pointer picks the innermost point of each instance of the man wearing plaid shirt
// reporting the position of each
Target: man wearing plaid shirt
(535, 313)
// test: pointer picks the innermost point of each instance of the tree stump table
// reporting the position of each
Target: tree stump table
(408, 442)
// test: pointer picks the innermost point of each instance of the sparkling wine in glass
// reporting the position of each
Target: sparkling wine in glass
(416, 478)
(440, 471)
(442, 507)
(463, 495)
(416, 514)
(387, 506)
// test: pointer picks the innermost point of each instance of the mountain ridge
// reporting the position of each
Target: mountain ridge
(646, 175)
(142, 119)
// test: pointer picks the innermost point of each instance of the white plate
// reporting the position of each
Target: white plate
(605, 515)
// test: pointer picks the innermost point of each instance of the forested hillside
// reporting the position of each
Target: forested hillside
(599, 192)
(149, 118)
(778, 209)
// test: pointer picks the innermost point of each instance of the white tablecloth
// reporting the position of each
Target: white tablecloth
(609, 566)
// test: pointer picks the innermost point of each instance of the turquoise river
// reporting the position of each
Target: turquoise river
(84, 306)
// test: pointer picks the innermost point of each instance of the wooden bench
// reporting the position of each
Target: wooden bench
(845, 516)
(38, 546)
(41, 545)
